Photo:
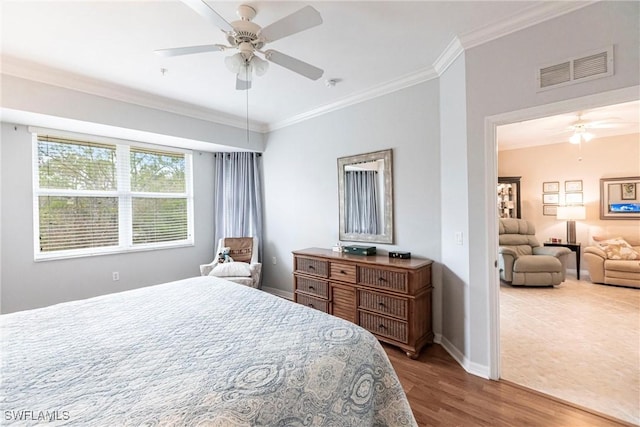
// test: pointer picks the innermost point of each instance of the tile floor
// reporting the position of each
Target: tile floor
(577, 341)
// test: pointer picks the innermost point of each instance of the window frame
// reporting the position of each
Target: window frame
(124, 194)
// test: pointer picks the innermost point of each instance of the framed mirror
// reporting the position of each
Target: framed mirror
(365, 191)
(619, 198)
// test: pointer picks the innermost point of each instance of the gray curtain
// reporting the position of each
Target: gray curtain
(238, 196)
(361, 191)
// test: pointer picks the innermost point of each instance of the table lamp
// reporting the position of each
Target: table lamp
(571, 213)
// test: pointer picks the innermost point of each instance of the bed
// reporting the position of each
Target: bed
(197, 352)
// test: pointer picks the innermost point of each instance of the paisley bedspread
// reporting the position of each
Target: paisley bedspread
(196, 352)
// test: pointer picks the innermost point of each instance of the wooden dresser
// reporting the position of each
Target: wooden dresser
(389, 297)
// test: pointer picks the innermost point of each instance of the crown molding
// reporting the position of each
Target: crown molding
(534, 15)
(27, 70)
(405, 81)
(448, 55)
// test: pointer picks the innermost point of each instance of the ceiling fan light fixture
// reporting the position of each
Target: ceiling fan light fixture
(245, 73)
(260, 66)
(579, 136)
(575, 138)
(235, 63)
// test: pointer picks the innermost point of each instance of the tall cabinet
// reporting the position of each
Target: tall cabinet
(509, 197)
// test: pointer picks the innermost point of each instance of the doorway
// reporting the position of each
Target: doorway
(492, 169)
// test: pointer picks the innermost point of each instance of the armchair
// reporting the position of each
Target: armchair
(522, 261)
(242, 250)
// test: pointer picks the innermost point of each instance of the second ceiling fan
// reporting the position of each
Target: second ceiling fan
(249, 39)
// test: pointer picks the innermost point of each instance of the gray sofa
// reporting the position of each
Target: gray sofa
(523, 261)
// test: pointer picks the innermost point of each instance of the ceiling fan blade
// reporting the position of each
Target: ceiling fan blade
(293, 64)
(204, 10)
(242, 84)
(177, 51)
(305, 18)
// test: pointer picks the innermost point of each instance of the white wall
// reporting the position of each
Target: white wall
(301, 176)
(500, 77)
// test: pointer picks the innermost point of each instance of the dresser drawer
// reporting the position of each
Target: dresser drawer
(317, 303)
(383, 326)
(312, 266)
(343, 272)
(384, 279)
(385, 304)
(312, 286)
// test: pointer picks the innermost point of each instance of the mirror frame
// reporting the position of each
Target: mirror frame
(387, 235)
(604, 197)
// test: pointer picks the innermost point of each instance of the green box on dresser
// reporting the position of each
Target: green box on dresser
(360, 250)
(389, 297)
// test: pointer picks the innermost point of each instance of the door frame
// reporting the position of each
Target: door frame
(602, 99)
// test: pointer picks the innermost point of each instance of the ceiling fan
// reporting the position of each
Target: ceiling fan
(249, 39)
(580, 128)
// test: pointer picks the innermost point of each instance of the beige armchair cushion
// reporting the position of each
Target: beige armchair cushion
(618, 248)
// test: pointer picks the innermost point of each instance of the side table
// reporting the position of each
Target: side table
(575, 247)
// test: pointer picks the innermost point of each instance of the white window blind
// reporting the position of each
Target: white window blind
(92, 198)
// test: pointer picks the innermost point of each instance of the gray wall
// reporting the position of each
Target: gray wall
(437, 132)
(455, 208)
(301, 176)
(500, 78)
(27, 284)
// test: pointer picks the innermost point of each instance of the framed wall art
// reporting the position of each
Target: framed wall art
(573, 186)
(619, 198)
(628, 190)
(549, 210)
(551, 187)
(550, 199)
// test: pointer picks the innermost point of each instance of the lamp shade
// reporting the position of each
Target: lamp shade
(571, 212)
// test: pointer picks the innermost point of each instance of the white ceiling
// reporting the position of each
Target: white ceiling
(374, 47)
(613, 120)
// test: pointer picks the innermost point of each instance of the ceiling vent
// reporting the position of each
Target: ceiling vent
(575, 70)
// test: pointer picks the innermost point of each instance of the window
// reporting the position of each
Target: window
(93, 197)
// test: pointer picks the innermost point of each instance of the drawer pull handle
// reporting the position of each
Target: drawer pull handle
(343, 272)
(381, 326)
(312, 288)
(311, 267)
(381, 279)
(381, 304)
(310, 305)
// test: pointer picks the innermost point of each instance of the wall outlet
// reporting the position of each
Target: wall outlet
(274, 260)
(116, 276)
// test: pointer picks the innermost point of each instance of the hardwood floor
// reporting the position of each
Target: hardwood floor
(442, 393)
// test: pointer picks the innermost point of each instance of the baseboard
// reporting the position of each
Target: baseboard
(472, 368)
(279, 292)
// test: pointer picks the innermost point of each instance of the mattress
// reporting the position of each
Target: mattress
(197, 352)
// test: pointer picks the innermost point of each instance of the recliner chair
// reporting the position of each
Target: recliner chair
(523, 261)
